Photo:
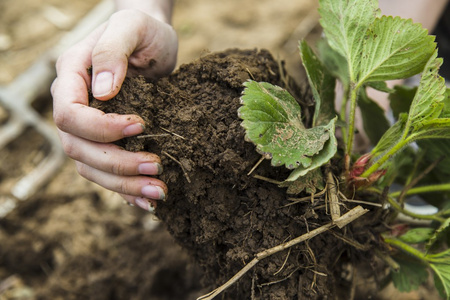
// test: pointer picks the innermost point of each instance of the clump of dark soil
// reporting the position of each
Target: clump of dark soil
(214, 210)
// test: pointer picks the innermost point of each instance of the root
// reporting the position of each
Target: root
(267, 179)
(179, 163)
(253, 287)
(332, 197)
(344, 198)
(347, 218)
(417, 179)
(250, 73)
(172, 133)
(278, 281)
(313, 257)
(388, 260)
(351, 242)
(256, 165)
(145, 136)
(284, 263)
(307, 198)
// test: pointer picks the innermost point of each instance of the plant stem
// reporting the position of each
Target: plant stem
(351, 122)
(384, 158)
(400, 209)
(412, 182)
(343, 112)
(406, 248)
(388, 260)
(396, 206)
(424, 189)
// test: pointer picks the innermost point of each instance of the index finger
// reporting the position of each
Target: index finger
(72, 113)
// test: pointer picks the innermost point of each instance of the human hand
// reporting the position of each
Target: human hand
(130, 42)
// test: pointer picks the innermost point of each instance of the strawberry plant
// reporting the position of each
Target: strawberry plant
(363, 49)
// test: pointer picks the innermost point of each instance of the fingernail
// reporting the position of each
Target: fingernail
(150, 169)
(144, 204)
(133, 129)
(153, 192)
(103, 84)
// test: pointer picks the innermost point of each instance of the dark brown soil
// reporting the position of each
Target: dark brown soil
(218, 213)
(76, 248)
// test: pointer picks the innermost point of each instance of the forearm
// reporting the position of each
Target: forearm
(158, 9)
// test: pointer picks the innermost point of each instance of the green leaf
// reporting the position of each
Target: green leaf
(321, 158)
(399, 167)
(410, 276)
(446, 110)
(394, 48)
(375, 48)
(417, 235)
(310, 183)
(432, 129)
(345, 23)
(422, 120)
(374, 120)
(401, 99)
(430, 93)
(441, 257)
(322, 85)
(391, 137)
(439, 233)
(437, 149)
(333, 61)
(438, 283)
(440, 263)
(380, 86)
(272, 119)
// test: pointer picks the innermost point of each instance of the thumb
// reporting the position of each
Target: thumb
(110, 55)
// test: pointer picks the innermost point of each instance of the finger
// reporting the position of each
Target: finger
(72, 115)
(146, 204)
(157, 54)
(70, 98)
(77, 59)
(145, 45)
(119, 40)
(137, 186)
(110, 158)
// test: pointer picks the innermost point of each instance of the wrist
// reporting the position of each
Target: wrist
(160, 10)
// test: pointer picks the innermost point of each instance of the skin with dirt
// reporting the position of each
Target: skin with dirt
(222, 216)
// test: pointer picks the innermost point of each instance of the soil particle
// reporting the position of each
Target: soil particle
(218, 213)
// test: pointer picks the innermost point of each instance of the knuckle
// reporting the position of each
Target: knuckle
(82, 169)
(61, 119)
(118, 168)
(104, 136)
(64, 59)
(69, 148)
(103, 54)
(58, 118)
(124, 187)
